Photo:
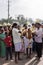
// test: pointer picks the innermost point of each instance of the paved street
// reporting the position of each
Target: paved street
(25, 61)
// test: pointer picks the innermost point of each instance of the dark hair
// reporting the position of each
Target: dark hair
(38, 23)
(25, 26)
(5, 33)
(14, 25)
(33, 24)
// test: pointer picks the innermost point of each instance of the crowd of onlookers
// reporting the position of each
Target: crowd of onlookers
(23, 39)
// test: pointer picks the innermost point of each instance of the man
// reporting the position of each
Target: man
(17, 41)
(38, 40)
(42, 35)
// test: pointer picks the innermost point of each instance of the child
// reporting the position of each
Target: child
(26, 43)
(8, 43)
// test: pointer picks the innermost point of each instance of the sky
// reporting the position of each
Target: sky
(29, 8)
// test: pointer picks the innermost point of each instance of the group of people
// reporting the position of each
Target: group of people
(26, 40)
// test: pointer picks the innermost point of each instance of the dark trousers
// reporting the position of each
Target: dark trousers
(29, 52)
(8, 52)
(34, 47)
(17, 54)
(0, 50)
(42, 40)
(39, 49)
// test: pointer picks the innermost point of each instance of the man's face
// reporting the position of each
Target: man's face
(33, 25)
(37, 25)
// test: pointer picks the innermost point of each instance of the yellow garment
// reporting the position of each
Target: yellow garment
(32, 29)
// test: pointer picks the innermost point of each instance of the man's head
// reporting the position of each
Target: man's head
(14, 25)
(37, 25)
(33, 24)
(25, 26)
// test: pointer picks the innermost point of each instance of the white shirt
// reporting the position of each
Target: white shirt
(16, 36)
(38, 38)
(42, 32)
(26, 42)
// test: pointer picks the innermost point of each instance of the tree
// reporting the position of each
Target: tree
(6, 20)
(21, 19)
(30, 20)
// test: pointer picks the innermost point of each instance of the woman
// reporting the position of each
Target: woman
(2, 44)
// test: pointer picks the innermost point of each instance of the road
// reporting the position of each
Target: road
(24, 61)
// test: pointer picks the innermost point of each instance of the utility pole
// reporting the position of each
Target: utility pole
(8, 10)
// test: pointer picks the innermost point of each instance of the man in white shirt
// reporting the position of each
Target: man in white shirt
(38, 40)
(42, 35)
(17, 41)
